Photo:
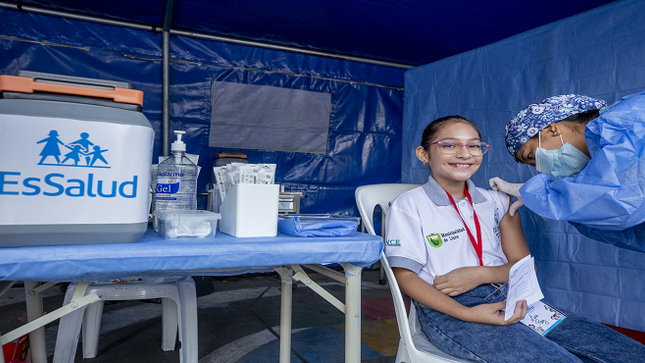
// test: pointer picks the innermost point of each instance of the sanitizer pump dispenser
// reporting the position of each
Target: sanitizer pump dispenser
(176, 180)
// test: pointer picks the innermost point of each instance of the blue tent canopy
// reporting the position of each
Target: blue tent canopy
(409, 32)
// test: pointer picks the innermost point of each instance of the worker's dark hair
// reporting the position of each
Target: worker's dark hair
(578, 121)
(435, 126)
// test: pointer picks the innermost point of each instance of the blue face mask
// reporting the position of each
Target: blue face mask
(565, 161)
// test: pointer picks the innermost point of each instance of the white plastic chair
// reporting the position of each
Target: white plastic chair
(414, 347)
(179, 310)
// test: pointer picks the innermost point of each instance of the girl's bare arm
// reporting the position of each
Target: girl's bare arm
(423, 292)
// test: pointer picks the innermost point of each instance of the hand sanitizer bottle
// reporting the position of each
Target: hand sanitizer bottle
(176, 181)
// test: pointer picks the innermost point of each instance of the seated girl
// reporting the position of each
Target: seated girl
(451, 246)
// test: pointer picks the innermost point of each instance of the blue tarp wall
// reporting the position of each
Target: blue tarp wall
(364, 142)
(599, 53)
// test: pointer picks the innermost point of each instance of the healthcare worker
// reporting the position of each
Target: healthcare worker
(592, 164)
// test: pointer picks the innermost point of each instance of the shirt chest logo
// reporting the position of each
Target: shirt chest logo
(437, 239)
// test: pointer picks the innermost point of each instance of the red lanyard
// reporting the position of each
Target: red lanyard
(477, 243)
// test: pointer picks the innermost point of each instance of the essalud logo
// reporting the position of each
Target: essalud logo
(83, 153)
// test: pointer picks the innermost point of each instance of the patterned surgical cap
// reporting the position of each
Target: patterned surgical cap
(535, 117)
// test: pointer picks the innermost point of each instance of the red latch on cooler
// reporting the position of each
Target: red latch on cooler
(29, 85)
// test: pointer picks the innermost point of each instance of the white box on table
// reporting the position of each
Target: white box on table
(250, 210)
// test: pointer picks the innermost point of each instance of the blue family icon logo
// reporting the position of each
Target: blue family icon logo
(80, 150)
(435, 240)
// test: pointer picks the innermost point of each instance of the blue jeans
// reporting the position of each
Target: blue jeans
(575, 339)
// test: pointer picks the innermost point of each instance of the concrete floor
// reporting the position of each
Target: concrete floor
(238, 322)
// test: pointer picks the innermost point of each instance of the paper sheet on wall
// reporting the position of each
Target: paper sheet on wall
(522, 285)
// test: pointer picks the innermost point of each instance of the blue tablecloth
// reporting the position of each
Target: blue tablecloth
(153, 254)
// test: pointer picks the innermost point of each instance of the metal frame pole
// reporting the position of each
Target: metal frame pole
(165, 121)
(165, 94)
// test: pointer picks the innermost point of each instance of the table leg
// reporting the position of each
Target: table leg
(352, 313)
(37, 343)
(285, 313)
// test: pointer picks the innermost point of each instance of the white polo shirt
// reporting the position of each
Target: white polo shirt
(425, 234)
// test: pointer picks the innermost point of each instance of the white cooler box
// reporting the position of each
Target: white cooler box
(76, 158)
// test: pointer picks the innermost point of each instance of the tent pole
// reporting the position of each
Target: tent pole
(156, 29)
(165, 122)
(290, 49)
(62, 14)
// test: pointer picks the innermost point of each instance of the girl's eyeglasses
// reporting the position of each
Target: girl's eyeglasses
(453, 147)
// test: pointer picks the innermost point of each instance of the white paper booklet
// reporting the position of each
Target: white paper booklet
(522, 285)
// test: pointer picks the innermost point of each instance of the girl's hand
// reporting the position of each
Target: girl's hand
(492, 314)
(459, 280)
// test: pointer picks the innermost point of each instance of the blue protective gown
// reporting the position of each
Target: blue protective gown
(606, 200)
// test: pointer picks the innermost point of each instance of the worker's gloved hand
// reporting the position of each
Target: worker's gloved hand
(512, 189)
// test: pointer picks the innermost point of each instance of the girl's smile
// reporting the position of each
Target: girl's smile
(461, 166)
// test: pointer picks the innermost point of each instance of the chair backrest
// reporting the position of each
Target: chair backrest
(417, 346)
(367, 198)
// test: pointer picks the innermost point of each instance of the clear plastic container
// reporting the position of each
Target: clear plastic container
(187, 223)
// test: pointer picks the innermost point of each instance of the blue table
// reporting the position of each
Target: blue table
(152, 256)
